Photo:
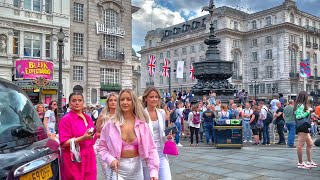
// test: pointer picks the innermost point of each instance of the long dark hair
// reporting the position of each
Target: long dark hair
(56, 110)
(302, 99)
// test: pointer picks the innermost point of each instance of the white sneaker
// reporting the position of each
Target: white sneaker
(250, 141)
(312, 164)
(245, 141)
(180, 145)
(303, 166)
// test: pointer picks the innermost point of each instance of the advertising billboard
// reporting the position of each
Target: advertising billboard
(33, 68)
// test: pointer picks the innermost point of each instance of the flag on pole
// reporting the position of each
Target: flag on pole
(192, 72)
(152, 65)
(165, 68)
(305, 70)
(180, 69)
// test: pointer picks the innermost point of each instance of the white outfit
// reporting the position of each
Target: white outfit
(51, 120)
(130, 169)
(157, 129)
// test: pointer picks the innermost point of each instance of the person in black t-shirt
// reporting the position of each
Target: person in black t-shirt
(208, 117)
(253, 120)
(280, 123)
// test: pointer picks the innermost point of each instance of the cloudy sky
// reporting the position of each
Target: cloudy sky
(163, 13)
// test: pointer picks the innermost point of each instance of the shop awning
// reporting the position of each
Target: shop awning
(30, 84)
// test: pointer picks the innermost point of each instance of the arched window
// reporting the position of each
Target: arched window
(300, 23)
(254, 24)
(293, 61)
(110, 18)
(291, 18)
(268, 21)
(236, 65)
(236, 25)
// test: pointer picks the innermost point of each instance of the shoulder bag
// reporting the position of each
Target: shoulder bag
(75, 151)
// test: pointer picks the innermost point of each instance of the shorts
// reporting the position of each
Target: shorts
(305, 128)
(255, 131)
(52, 130)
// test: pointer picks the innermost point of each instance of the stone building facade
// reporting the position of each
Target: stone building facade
(28, 30)
(266, 48)
(101, 51)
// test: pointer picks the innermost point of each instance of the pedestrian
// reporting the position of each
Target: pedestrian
(126, 140)
(264, 115)
(217, 106)
(302, 111)
(75, 126)
(253, 121)
(194, 123)
(288, 115)
(178, 121)
(106, 114)
(246, 114)
(281, 100)
(280, 122)
(212, 99)
(151, 102)
(224, 114)
(41, 111)
(241, 96)
(185, 113)
(208, 118)
(50, 119)
(171, 104)
(234, 113)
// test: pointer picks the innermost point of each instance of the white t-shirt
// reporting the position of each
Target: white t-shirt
(51, 118)
(274, 104)
(247, 112)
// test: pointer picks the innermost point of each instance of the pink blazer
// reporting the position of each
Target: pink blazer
(109, 147)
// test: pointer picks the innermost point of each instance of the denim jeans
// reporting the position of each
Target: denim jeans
(209, 132)
(266, 134)
(247, 132)
(178, 133)
(291, 126)
(314, 129)
(280, 126)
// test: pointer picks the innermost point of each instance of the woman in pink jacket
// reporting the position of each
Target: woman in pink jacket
(126, 141)
(75, 125)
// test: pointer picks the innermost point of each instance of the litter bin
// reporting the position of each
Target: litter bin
(228, 133)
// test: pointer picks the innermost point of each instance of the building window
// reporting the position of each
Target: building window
(308, 55)
(262, 88)
(185, 62)
(268, 21)
(292, 38)
(184, 77)
(109, 76)
(255, 73)
(307, 22)
(268, 40)
(236, 60)
(254, 24)
(78, 73)
(48, 46)
(269, 54)
(77, 44)
(176, 52)
(110, 42)
(269, 71)
(293, 61)
(15, 43)
(168, 54)
(251, 89)
(300, 22)
(48, 5)
(161, 55)
(215, 24)
(16, 3)
(255, 56)
(235, 25)
(291, 18)
(110, 18)
(184, 51)
(32, 5)
(254, 42)
(150, 43)
(32, 45)
(315, 60)
(236, 43)
(269, 90)
(275, 86)
(192, 50)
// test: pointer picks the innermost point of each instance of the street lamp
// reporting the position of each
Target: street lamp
(255, 88)
(60, 36)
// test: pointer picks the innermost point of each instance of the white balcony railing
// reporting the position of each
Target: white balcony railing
(114, 31)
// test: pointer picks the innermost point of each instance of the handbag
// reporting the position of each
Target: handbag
(303, 123)
(173, 129)
(170, 148)
(110, 175)
(75, 151)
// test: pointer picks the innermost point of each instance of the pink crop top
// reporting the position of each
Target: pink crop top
(130, 146)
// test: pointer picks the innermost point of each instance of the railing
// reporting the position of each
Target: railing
(114, 31)
(104, 54)
(308, 44)
(315, 46)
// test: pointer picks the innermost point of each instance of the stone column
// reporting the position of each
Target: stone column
(43, 6)
(43, 46)
(21, 44)
(10, 42)
(21, 4)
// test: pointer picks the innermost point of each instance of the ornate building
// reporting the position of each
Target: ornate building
(266, 48)
(101, 51)
(28, 31)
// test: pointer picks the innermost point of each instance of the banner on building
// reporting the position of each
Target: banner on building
(165, 68)
(152, 65)
(305, 70)
(180, 69)
(191, 72)
(32, 69)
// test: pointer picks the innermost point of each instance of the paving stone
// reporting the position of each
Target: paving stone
(242, 175)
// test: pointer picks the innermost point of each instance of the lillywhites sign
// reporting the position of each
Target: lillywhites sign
(32, 69)
(115, 31)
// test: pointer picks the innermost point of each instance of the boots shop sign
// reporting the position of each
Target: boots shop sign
(32, 69)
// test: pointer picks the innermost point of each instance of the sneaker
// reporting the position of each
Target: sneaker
(250, 141)
(303, 166)
(312, 164)
(180, 145)
(245, 141)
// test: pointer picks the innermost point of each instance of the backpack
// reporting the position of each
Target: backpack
(173, 116)
(259, 124)
(269, 117)
(196, 118)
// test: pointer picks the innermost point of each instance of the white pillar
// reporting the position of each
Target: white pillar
(43, 6)
(43, 46)
(21, 44)
(10, 43)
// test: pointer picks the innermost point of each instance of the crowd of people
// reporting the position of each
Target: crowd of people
(129, 133)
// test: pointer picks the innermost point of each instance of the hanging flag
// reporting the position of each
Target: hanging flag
(165, 68)
(152, 65)
(180, 69)
(192, 72)
(305, 71)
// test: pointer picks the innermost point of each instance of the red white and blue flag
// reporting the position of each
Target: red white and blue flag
(152, 65)
(192, 72)
(165, 68)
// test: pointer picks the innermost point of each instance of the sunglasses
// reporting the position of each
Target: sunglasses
(54, 104)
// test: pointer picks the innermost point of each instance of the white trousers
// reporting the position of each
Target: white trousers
(130, 169)
(164, 170)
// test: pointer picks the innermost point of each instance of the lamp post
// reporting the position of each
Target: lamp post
(60, 36)
(255, 88)
(169, 70)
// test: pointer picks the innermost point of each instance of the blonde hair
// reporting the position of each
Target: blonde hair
(38, 106)
(138, 110)
(105, 113)
(147, 92)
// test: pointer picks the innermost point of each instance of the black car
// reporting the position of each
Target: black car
(26, 152)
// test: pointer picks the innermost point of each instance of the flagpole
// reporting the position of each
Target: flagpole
(169, 70)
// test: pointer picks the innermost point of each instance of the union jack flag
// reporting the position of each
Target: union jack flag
(165, 68)
(152, 65)
(192, 72)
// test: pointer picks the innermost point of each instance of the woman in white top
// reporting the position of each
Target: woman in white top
(193, 124)
(151, 102)
(50, 119)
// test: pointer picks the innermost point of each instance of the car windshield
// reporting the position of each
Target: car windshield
(16, 111)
